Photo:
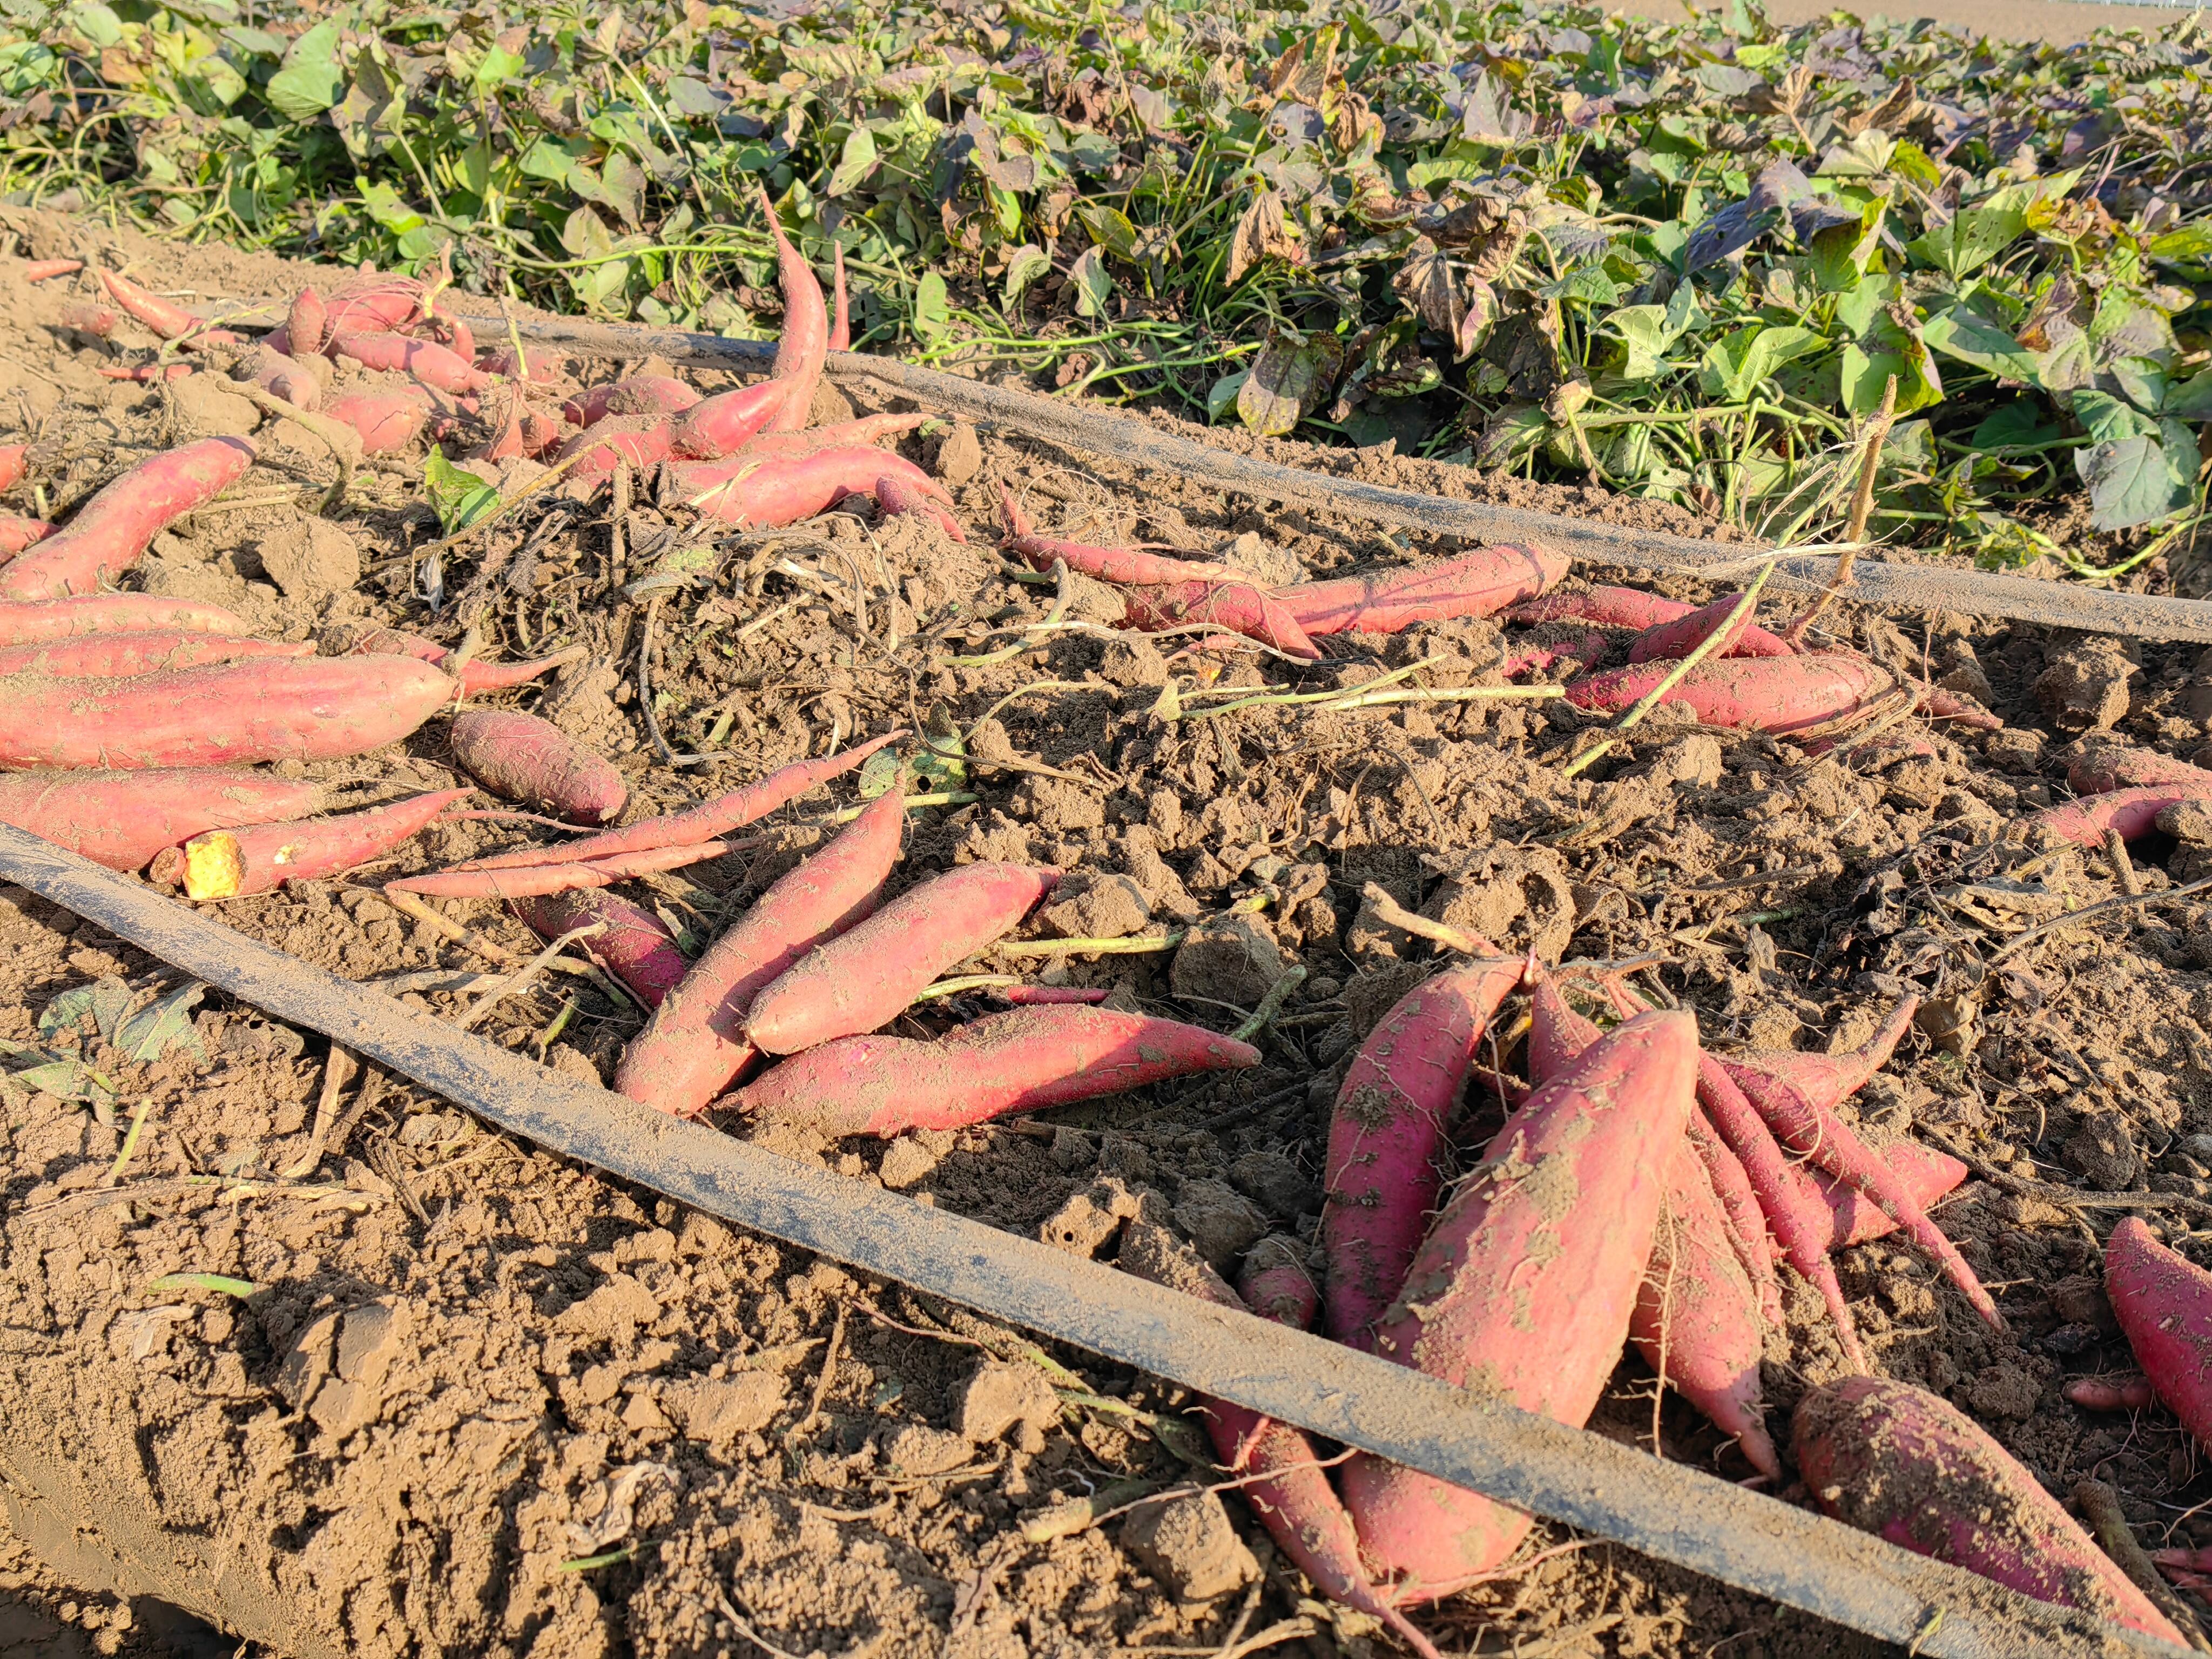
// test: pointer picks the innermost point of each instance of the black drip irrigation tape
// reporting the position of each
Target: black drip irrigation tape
(1665, 1511)
(1878, 582)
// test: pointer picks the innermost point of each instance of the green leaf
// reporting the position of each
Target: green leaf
(1736, 363)
(97, 23)
(162, 1026)
(104, 1001)
(2188, 247)
(1963, 332)
(2130, 482)
(1221, 397)
(553, 159)
(1023, 266)
(1110, 228)
(2018, 425)
(1093, 287)
(1289, 379)
(2189, 399)
(1642, 332)
(310, 80)
(1973, 238)
(854, 163)
(933, 307)
(460, 498)
(2109, 420)
(498, 68)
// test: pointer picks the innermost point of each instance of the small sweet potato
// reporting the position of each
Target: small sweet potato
(422, 361)
(18, 533)
(2102, 771)
(106, 535)
(122, 819)
(1124, 565)
(388, 418)
(1672, 641)
(521, 757)
(1606, 607)
(636, 948)
(2085, 822)
(634, 440)
(766, 493)
(1241, 606)
(14, 463)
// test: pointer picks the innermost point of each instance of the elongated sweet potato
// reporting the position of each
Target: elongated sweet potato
(24, 622)
(1126, 565)
(2164, 1305)
(423, 360)
(1241, 606)
(2117, 1394)
(766, 493)
(2085, 822)
(521, 757)
(475, 676)
(804, 345)
(2102, 771)
(106, 535)
(1766, 694)
(44, 271)
(275, 709)
(722, 425)
(117, 656)
(165, 317)
(866, 977)
(18, 533)
(1925, 1173)
(1671, 641)
(1608, 607)
(640, 394)
(1387, 1138)
(702, 822)
(219, 864)
(536, 880)
(1522, 1291)
(388, 418)
(1284, 1479)
(122, 819)
(1892, 1459)
(1024, 1060)
(695, 1046)
(1476, 583)
(1739, 1202)
(636, 948)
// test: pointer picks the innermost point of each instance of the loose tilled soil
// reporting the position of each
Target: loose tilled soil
(481, 1401)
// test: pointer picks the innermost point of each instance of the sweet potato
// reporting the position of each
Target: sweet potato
(271, 709)
(1925, 1173)
(523, 759)
(640, 394)
(2105, 769)
(1024, 1060)
(43, 271)
(387, 419)
(1280, 1469)
(121, 819)
(16, 534)
(281, 376)
(422, 361)
(696, 1046)
(149, 373)
(1739, 1202)
(1275, 1283)
(865, 431)
(1671, 641)
(1825, 1081)
(840, 318)
(636, 948)
(2164, 1303)
(1125, 565)
(1580, 653)
(868, 977)
(98, 321)
(307, 325)
(1241, 606)
(764, 493)
(2088, 821)
(536, 880)
(1387, 1138)
(804, 345)
(1476, 583)
(723, 424)
(219, 864)
(382, 306)
(475, 676)
(165, 317)
(448, 330)
(1766, 694)
(119, 656)
(106, 535)
(1523, 1288)
(1897, 1461)
(896, 496)
(15, 462)
(634, 440)
(113, 613)
(702, 822)
(1608, 607)
(2112, 1394)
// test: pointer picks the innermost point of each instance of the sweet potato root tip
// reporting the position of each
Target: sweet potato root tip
(1894, 1460)
(804, 345)
(521, 757)
(868, 976)
(106, 535)
(1476, 583)
(897, 497)
(1825, 1081)
(635, 946)
(536, 880)
(2164, 1305)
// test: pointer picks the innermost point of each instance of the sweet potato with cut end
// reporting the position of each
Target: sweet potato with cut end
(18, 533)
(536, 880)
(2103, 771)
(2133, 812)
(1672, 641)
(275, 708)
(868, 977)
(1608, 607)
(121, 819)
(425, 362)
(113, 613)
(636, 947)
(722, 425)
(1024, 1060)
(2164, 1303)
(1280, 1470)
(1125, 565)
(387, 419)
(106, 535)
(702, 822)
(1241, 606)
(1387, 1138)
(804, 345)
(219, 864)
(1922, 1171)
(764, 493)
(1523, 1288)
(119, 656)
(1766, 694)
(523, 759)
(640, 394)
(695, 1046)
(1897, 1461)
(1476, 583)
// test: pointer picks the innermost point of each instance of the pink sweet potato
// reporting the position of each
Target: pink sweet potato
(117, 656)
(634, 440)
(696, 1046)
(42, 271)
(18, 533)
(1925, 1173)
(1241, 606)
(306, 325)
(640, 394)
(376, 308)
(1125, 565)
(219, 864)
(106, 535)
(387, 419)
(866, 978)
(636, 948)
(165, 317)
(896, 496)
(2085, 822)
(1897, 1461)
(702, 822)
(15, 462)
(121, 819)
(1280, 1471)
(422, 361)
(1476, 583)
(1739, 1202)
(2164, 1303)
(98, 321)
(1274, 1283)
(1766, 694)
(1524, 1286)
(1608, 607)
(148, 374)
(2105, 769)
(866, 430)
(764, 493)
(113, 613)
(1671, 641)
(1024, 1060)
(1387, 1138)
(538, 880)
(803, 346)
(723, 424)
(1825, 1081)
(2114, 1393)
(281, 376)
(521, 757)
(271, 709)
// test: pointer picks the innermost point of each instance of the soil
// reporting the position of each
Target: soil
(326, 1363)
